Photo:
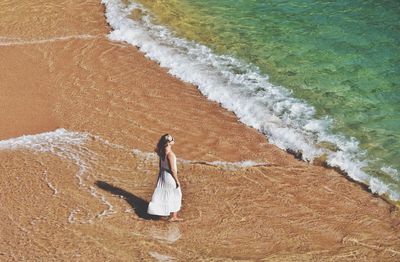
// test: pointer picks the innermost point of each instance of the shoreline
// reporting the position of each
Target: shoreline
(223, 89)
(95, 192)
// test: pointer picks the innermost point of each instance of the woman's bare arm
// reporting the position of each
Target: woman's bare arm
(172, 164)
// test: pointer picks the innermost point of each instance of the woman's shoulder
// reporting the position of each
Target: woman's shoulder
(170, 154)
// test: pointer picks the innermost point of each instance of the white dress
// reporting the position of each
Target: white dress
(166, 197)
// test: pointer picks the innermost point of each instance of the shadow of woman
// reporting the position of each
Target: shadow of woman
(137, 203)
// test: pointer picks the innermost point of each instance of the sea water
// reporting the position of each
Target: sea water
(318, 78)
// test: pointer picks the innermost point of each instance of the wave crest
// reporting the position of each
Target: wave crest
(288, 122)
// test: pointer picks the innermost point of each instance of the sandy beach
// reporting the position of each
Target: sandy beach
(77, 188)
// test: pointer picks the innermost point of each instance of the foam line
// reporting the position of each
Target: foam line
(228, 165)
(61, 143)
(18, 41)
(71, 147)
(49, 184)
(288, 122)
(152, 157)
(110, 208)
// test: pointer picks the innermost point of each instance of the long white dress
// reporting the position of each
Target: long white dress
(166, 197)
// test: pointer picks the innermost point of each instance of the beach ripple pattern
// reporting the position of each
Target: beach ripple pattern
(288, 122)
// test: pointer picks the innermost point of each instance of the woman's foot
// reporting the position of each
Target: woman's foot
(175, 219)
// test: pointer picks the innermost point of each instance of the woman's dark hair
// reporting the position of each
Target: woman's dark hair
(162, 143)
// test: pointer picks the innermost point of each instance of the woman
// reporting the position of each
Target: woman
(167, 197)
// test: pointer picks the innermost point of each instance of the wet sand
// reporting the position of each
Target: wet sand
(59, 70)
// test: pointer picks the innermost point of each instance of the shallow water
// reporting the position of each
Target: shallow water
(340, 60)
(79, 187)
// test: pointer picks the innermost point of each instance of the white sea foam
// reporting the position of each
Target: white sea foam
(226, 165)
(391, 172)
(61, 142)
(71, 147)
(288, 122)
(45, 142)
(146, 155)
(49, 184)
(153, 157)
(109, 210)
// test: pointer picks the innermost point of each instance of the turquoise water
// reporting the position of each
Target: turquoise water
(341, 57)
